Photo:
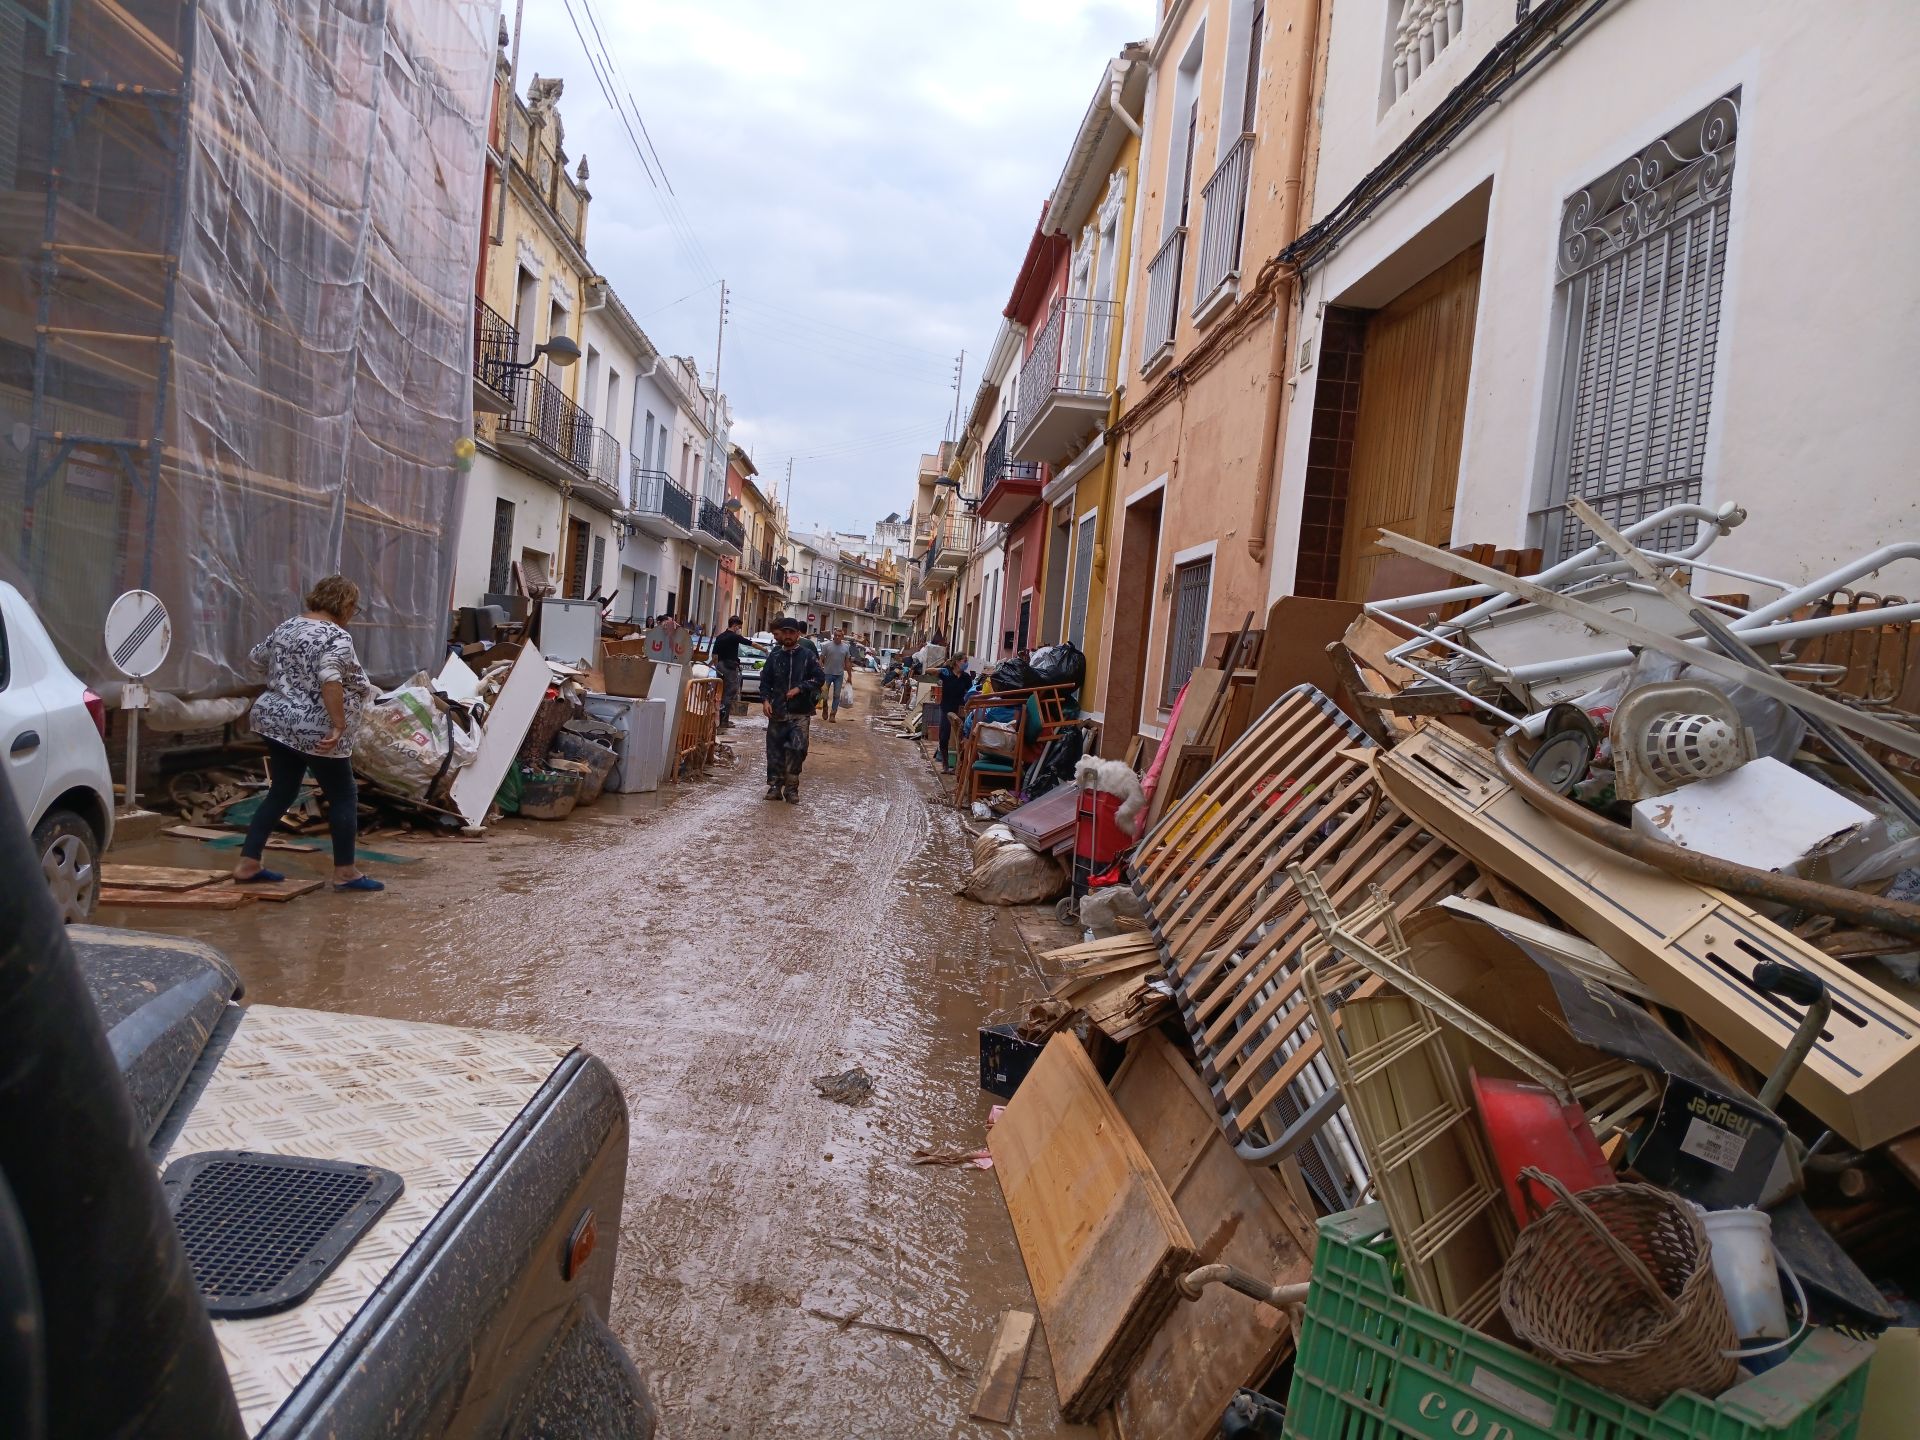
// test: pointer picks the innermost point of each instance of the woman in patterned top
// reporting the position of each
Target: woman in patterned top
(307, 715)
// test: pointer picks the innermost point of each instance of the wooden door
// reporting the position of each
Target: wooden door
(1413, 410)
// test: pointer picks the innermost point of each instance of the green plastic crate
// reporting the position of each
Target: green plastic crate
(1373, 1365)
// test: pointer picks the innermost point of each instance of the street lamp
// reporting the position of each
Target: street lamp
(561, 350)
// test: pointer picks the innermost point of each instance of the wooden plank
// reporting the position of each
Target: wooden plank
(211, 897)
(290, 888)
(1240, 1215)
(999, 1390)
(1098, 1232)
(157, 877)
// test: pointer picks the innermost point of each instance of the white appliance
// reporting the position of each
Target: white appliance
(643, 739)
(570, 630)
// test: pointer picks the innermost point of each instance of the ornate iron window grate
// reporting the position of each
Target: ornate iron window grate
(1642, 258)
(1187, 637)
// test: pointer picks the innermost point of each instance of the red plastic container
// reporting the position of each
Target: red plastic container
(1526, 1126)
(1097, 836)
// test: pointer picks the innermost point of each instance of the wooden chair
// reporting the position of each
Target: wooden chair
(1044, 714)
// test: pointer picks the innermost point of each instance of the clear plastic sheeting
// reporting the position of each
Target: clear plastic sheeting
(236, 329)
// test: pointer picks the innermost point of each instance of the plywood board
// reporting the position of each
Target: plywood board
(1696, 948)
(1098, 1232)
(1294, 652)
(1239, 1215)
(158, 877)
(999, 1390)
(210, 897)
(476, 783)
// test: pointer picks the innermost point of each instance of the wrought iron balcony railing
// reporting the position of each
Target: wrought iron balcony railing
(715, 520)
(1071, 355)
(547, 418)
(654, 493)
(1224, 224)
(1163, 296)
(995, 465)
(496, 345)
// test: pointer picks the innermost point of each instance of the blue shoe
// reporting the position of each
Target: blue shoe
(262, 877)
(361, 882)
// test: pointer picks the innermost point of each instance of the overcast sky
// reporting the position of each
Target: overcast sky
(865, 175)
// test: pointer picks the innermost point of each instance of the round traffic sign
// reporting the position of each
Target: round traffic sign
(139, 634)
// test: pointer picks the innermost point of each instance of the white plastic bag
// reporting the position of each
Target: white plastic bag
(403, 740)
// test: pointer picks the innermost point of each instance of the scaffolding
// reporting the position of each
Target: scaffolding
(237, 243)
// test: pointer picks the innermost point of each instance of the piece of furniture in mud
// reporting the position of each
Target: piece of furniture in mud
(995, 752)
(1297, 788)
(699, 726)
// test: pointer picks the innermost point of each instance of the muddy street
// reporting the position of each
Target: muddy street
(784, 1269)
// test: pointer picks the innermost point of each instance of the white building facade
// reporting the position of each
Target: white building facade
(1648, 257)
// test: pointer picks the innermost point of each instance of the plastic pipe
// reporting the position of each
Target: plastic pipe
(1194, 1282)
(1120, 68)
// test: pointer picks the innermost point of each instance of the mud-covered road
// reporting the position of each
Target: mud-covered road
(719, 951)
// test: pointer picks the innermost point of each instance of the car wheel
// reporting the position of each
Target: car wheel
(70, 859)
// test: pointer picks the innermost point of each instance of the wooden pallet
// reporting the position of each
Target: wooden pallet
(1298, 788)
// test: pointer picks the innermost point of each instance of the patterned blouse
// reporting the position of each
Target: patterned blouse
(300, 656)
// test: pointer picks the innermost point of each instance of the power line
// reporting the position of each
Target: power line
(662, 309)
(914, 372)
(804, 318)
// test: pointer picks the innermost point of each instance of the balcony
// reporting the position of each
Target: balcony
(660, 508)
(546, 432)
(951, 544)
(601, 486)
(495, 346)
(916, 595)
(1067, 381)
(719, 531)
(1216, 268)
(1423, 32)
(1007, 486)
(1163, 298)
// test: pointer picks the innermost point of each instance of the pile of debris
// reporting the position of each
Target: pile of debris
(1524, 1043)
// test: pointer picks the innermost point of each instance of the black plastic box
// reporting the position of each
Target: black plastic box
(1005, 1059)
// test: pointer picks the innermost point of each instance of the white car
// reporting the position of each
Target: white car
(753, 659)
(53, 735)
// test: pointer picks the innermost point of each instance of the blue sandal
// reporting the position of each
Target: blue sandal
(361, 882)
(262, 877)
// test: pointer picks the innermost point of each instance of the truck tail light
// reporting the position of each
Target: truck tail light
(97, 708)
(579, 1246)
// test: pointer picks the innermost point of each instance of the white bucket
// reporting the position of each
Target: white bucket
(1749, 1276)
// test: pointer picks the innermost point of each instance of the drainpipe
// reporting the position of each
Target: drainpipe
(1294, 146)
(1118, 73)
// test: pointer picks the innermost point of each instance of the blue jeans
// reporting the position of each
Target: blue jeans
(830, 693)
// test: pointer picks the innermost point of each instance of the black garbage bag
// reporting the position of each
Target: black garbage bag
(1012, 674)
(1062, 664)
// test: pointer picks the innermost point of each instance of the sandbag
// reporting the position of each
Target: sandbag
(1015, 875)
(404, 739)
(990, 840)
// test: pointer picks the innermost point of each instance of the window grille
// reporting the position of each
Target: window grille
(1642, 257)
(1082, 583)
(1187, 640)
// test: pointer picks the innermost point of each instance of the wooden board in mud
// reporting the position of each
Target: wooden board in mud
(1102, 1241)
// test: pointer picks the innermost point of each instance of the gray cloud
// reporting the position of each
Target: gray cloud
(866, 176)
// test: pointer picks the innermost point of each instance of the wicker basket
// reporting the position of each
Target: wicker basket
(1616, 1285)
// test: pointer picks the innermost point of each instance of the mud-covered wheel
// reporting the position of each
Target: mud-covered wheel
(70, 861)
